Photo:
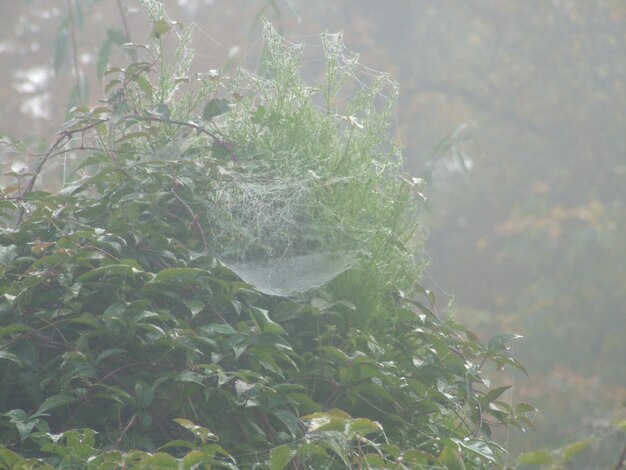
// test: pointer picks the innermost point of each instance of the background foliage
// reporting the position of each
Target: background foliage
(531, 245)
(126, 341)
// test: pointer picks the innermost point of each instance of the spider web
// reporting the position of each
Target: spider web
(269, 234)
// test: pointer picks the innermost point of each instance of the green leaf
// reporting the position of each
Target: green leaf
(200, 432)
(61, 43)
(572, 449)
(132, 136)
(108, 353)
(163, 111)
(109, 270)
(262, 319)
(8, 458)
(144, 394)
(539, 457)
(193, 459)
(363, 426)
(7, 356)
(290, 421)
(54, 401)
(117, 36)
(620, 424)
(310, 450)
(478, 447)
(279, 457)
(502, 361)
(160, 460)
(79, 94)
(178, 443)
(13, 328)
(103, 57)
(335, 355)
(212, 449)
(195, 306)
(372, 389)
(110, 460)
(7, 254)
(391, 450)
(522, 408)
(496, 392)
(501, 341)
(145, 86)
(413, 456)
(331, 420)
(451, 459)
(24, 428)
(118, 395)
(372, 461)
(215, 107)
(218, 329)
(178, 274)
(77, 9)
(160, 27)
(189, 376)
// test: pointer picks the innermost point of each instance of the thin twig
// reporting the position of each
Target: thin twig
(124, 23)
(215, 136)
(194, 216)
(372, 404)
(72, 26)
(124, 431)
(149, 365)
(73, 149)
(62, 136)
(480, 419)
(622, 460)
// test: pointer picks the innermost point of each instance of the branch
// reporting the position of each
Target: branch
(194, 216)
(52, 151)
(70, 12)
(622, 460)
(124, 431)
(215, 136)
(124, 23)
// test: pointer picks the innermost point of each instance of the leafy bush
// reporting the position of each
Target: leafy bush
(231, 281)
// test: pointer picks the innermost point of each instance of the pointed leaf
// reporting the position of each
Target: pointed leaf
(60, 45)
(54, 401)
(215, 107)
(160, 460)
(496, 392)
(107, 353)
(539, 457)
(160, 27)
(524, 408)
(7, 356)
(451, 458)
(279, 457)
(501, 340)
(162, 110)
(7, 254)
(572, 449)
(103, 57)
(364, 426)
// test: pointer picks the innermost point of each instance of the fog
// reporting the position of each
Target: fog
(512, 112)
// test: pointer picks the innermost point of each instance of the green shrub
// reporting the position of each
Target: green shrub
(231, 280)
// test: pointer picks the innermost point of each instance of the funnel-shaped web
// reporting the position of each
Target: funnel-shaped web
(270, 235)
(290, 275)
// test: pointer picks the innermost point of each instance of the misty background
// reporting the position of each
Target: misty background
(514, 114)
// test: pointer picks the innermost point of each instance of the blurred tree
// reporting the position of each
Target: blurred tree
(534, 243)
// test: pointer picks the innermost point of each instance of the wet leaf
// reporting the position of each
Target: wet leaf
(279, 457)
(214, 108)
